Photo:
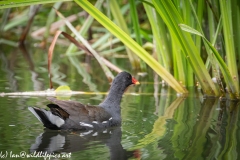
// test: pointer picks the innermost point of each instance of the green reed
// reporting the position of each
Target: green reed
(206, 55)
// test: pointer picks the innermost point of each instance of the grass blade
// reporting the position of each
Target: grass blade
(159, 34)
(87, 24)
(172, 18)
(133, 11)
(89, 48)
(225, 71)
(129, 42)
(225, 7)
(122, 24)
(21, 3)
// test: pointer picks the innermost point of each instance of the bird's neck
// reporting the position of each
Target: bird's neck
(113, 98)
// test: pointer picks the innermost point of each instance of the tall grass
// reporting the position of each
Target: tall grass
(183, 59)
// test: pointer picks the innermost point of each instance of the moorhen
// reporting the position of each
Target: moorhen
(72, 115)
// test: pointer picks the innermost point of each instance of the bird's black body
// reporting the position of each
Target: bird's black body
(65, 114)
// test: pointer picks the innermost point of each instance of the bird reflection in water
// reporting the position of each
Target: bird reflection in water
(51, 141)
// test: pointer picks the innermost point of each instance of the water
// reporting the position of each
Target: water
(156, 124)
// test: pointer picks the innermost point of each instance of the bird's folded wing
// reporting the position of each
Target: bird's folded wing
(74, 108)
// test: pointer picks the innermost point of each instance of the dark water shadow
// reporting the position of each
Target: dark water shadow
(68, 142)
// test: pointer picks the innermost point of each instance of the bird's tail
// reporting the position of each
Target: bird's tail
(48, 119)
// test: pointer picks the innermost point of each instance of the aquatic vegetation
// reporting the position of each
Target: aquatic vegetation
(205, 56)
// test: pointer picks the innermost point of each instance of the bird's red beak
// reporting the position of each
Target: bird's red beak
(134, 81)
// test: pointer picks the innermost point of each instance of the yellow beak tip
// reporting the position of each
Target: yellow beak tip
(137, 83)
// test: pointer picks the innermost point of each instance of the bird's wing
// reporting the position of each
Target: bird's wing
(80, 112)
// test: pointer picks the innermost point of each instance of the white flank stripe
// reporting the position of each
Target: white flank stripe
(85, 124)
(110, 119)
(104, 121)
(96, 122)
